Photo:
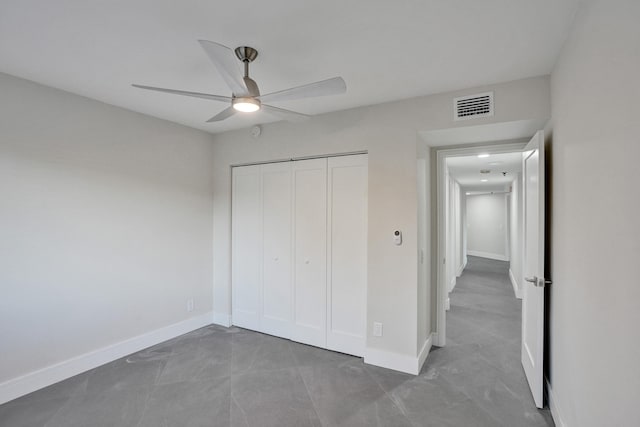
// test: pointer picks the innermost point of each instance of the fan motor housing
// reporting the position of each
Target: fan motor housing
(246, 53)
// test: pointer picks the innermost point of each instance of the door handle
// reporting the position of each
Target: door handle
(539, 283)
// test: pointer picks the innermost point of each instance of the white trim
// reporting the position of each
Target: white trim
(447, 304)
(499, 257)
(222, 319)
(397, 361)
(556, 413)
(462, 267)
(424, 352)
(516, 286)
(44, 377)
(441, 156)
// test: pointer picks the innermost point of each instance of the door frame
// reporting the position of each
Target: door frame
(442, 153)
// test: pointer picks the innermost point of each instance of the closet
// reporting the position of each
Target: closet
(299, 250)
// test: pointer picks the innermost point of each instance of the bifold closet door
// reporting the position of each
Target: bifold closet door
(261, 248)
(246, 250)
(347, 264)
(310, 251)
(299, 250)
(276, 307)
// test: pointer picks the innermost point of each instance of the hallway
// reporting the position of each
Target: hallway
(482, 356)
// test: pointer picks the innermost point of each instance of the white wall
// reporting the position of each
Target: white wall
(105, 225)
(453, 242)
(458, 227)
(487, 224)
(424, 251)
(516, 234)
(389, 133)
(594, 210)
(463, 227)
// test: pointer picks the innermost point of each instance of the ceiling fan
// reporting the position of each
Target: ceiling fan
(245, 95)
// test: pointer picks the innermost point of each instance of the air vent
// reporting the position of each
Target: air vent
(473, 106)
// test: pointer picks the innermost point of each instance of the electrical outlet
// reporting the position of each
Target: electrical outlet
(190, 304)
(377, 329)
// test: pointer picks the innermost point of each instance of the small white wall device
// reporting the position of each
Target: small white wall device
(397, 237)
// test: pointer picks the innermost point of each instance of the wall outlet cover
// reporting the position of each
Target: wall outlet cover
(377, 329)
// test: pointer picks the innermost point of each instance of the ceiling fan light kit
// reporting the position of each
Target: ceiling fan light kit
(246, 104)
(245, 94)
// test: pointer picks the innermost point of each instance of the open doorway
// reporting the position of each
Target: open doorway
(480, 276)
(479, 216)
(483, 204)
(483, 240)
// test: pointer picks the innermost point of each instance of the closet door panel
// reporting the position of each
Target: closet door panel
(310, 267)
(276, 259)
(246, 246)
(347, 266)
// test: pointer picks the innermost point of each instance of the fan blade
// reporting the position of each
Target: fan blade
(227, 64)
(224, 114)
(185, 93)
(332, 86)
(290, 116)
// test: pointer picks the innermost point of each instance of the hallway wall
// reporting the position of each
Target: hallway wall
(516, 234)
(487, 225)
(594, 209)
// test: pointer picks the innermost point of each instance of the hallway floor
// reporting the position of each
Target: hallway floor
(482, 356)
(233, 377)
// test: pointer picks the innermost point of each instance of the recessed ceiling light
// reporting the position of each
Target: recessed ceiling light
(468, 194)
(495, 163)
(483, 156)
(484, 180)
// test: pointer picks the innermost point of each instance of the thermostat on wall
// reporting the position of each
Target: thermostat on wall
(397, 237)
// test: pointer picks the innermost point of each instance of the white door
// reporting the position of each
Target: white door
(246, 246)
(533, 289)
(347, 266)
(310, 251)
(276, 249)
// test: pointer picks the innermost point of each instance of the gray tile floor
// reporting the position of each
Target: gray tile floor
(233, 377)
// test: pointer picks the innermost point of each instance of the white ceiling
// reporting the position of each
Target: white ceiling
(385, 50)
(466, 170)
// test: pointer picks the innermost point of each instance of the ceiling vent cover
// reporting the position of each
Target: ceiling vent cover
(473, 106)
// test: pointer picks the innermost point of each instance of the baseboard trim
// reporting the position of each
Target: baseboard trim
(424, 352)
(516, 286)
(399, 362)
(461, 269)
(49, 375)
(556, 413)
(222, 319)
(436, 339)
(489, 255)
